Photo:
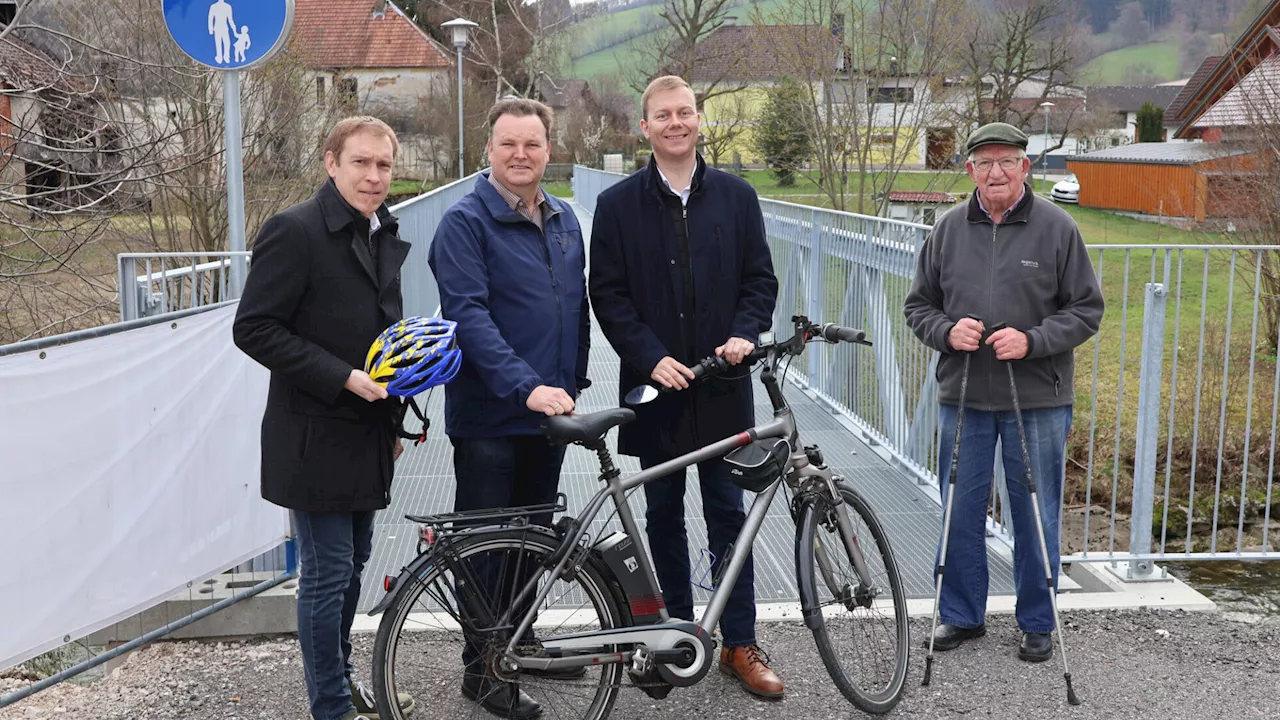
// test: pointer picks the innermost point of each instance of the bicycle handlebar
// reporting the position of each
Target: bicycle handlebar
(805, 331)
(714, 365)
(834, 333)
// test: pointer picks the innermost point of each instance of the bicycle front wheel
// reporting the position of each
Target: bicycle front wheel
(859, 623)
(420, 647)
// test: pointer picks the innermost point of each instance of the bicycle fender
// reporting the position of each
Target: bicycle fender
(417, 567)
(411, 570)
(804, 542)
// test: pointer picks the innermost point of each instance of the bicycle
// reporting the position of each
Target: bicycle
(619, 634)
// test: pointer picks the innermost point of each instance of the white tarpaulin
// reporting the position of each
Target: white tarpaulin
(128, 468)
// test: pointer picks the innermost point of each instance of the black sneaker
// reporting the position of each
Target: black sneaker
(1035, 647)
(367, 705)
(950, 637)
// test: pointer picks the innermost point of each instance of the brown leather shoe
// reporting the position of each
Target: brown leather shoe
(750, 665)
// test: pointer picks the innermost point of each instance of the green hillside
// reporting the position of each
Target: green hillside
(602, 29)
(1159, 61)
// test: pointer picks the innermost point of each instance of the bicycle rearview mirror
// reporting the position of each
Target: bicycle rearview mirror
(641, 394)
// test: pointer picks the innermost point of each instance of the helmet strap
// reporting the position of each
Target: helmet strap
(426, 423)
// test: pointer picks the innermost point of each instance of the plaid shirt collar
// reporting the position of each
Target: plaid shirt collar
(1022, 190)
(533, 214)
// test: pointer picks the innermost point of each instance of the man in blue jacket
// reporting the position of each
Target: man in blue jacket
(680, 270)
(510, 263)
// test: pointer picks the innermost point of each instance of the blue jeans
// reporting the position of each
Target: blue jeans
(503, 472)
(964, 582)
(332, 551)
(669, 544)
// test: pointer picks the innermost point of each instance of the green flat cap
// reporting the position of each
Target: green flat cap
(996, 133)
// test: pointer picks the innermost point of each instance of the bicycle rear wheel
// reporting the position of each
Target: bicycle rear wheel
(420, 640)
(859, 624)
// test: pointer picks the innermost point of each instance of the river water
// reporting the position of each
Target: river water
(1242, 586)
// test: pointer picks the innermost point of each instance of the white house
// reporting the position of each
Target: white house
(367, 55)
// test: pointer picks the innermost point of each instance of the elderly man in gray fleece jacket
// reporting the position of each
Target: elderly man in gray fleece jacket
(1006, 257)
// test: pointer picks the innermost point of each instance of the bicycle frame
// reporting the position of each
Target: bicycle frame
(800, 473)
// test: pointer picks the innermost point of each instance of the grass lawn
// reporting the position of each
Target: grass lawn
(806, 190)
(1158, 59)
(410, 187)
(558, 189)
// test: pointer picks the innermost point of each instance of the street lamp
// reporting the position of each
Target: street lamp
(459, 27)
(1044, 174)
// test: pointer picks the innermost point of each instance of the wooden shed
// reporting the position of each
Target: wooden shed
(1172, 179)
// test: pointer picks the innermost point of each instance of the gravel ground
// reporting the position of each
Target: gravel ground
(1126, 664)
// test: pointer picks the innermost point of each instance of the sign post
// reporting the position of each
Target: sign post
(230, 36)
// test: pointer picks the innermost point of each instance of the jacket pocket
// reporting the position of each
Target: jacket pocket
(302, 402)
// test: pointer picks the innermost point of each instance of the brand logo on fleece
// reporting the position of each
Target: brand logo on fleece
(1030, 264)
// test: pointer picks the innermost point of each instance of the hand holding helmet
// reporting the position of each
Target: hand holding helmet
(412, 355)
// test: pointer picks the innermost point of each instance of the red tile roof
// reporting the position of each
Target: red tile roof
(920, 196)
(23, 67)
(1179, 104)
(348, 34)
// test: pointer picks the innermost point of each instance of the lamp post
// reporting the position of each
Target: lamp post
(459, 28)
(1044, 170)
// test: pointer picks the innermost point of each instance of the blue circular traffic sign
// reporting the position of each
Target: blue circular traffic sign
(229, 34)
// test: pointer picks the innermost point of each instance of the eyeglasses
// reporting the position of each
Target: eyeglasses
(1007, 164)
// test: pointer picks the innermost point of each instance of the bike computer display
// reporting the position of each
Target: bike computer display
(766, 339)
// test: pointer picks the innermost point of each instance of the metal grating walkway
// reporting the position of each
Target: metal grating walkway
(424, 484)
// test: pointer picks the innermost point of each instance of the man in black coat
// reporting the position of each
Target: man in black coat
(325, 281)
(680, 270)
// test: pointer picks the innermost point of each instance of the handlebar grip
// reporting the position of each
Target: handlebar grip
(707, 366)
(836, 333)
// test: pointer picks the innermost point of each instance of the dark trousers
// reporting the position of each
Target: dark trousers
(503, 472)
(669, 544)
(332, 551)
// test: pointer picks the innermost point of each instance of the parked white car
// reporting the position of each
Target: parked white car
(1066, 191)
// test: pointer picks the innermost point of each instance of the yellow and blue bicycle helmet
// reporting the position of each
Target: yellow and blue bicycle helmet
(414, 354)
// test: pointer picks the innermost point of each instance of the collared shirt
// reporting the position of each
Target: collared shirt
(688, 188)
(532, 214)
(1021, 192)
(374, 224)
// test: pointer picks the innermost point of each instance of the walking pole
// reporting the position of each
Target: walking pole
(946, 517)
(1044, 548)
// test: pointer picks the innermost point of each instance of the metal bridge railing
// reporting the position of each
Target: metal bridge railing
(1173, 449)
(156, 283)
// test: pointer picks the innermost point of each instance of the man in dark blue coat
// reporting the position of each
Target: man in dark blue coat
(679, 271)
(510, 262)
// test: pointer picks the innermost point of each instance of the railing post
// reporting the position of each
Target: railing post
(814, 287)
(1147, 434)
(129, 300)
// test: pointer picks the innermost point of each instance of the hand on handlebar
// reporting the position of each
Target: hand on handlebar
(670, 373)
(735, 350)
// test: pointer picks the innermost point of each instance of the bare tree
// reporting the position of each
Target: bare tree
(875, 77)
(1244, 189)
(681, 49)
(515, 44)
(733, 118)
(1008, 43)
(112, 143)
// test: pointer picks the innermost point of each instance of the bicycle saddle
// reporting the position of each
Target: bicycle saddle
(589, 428)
